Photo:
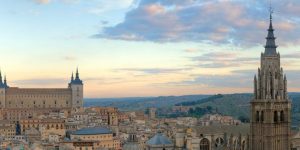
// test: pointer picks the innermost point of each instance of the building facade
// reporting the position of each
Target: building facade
(100, 137)
(270, 108)
(18, 103)
(214, 137)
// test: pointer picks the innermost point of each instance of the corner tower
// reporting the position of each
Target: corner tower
(270, 108)
(76, 86)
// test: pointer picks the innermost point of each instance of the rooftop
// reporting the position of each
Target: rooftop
(159, 139)
(92, 131)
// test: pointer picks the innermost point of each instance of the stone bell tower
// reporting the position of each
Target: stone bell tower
(270, 108)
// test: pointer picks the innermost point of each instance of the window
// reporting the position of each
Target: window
(282, 116)
(262, 116)
(219, 142)
(257, 116)
(275, 117)
(244, 145)
(204, 144)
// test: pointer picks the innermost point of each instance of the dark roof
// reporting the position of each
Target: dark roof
(159, 139)
(270, 48)
(243, 129)
(92, 131)
(77, 81)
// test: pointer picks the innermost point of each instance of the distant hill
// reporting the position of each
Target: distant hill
(236, 105)
(141, 103)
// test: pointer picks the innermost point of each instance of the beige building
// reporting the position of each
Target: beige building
(270, 108)
(47, 125)
(152, 113)
(99, 137)
(110, 113)
(17, 103)
(7, 132)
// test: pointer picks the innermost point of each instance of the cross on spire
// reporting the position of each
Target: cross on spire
(271, 10)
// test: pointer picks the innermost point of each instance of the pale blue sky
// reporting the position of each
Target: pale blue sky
(144, 47)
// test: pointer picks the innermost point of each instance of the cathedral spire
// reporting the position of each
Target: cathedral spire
(270, 48)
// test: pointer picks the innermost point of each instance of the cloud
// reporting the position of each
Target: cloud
(44, 81)
(153, 70)
(69, 58)
(295, 55)
(234, 80)
(231, 21)
(223, 59)
(191, 50)
(50, 1)
(42, 1)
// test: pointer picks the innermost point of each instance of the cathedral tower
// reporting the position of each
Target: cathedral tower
(270, 108)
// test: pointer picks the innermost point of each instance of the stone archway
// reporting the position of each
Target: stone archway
(204, 144)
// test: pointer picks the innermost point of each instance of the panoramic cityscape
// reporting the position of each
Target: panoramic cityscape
(150, 75)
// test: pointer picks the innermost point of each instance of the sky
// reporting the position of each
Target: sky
(129, 48)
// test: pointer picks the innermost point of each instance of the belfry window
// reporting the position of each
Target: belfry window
(281, 116)
(257, 116)
(275, 116)
(262, 116)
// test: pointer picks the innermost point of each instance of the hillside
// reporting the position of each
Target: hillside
(236, 105)
(141, 103)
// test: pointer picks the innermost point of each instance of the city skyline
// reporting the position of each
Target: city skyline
(118, 55)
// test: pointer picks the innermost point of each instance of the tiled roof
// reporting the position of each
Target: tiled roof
(92, 131)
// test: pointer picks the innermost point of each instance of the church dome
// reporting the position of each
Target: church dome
(159, 139)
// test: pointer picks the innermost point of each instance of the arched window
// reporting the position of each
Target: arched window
(281, 116)
(204, 144)
(219, 142)
(236, 144)
(257, 116)
(244, 145)
(275, 117)
(262, 116)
